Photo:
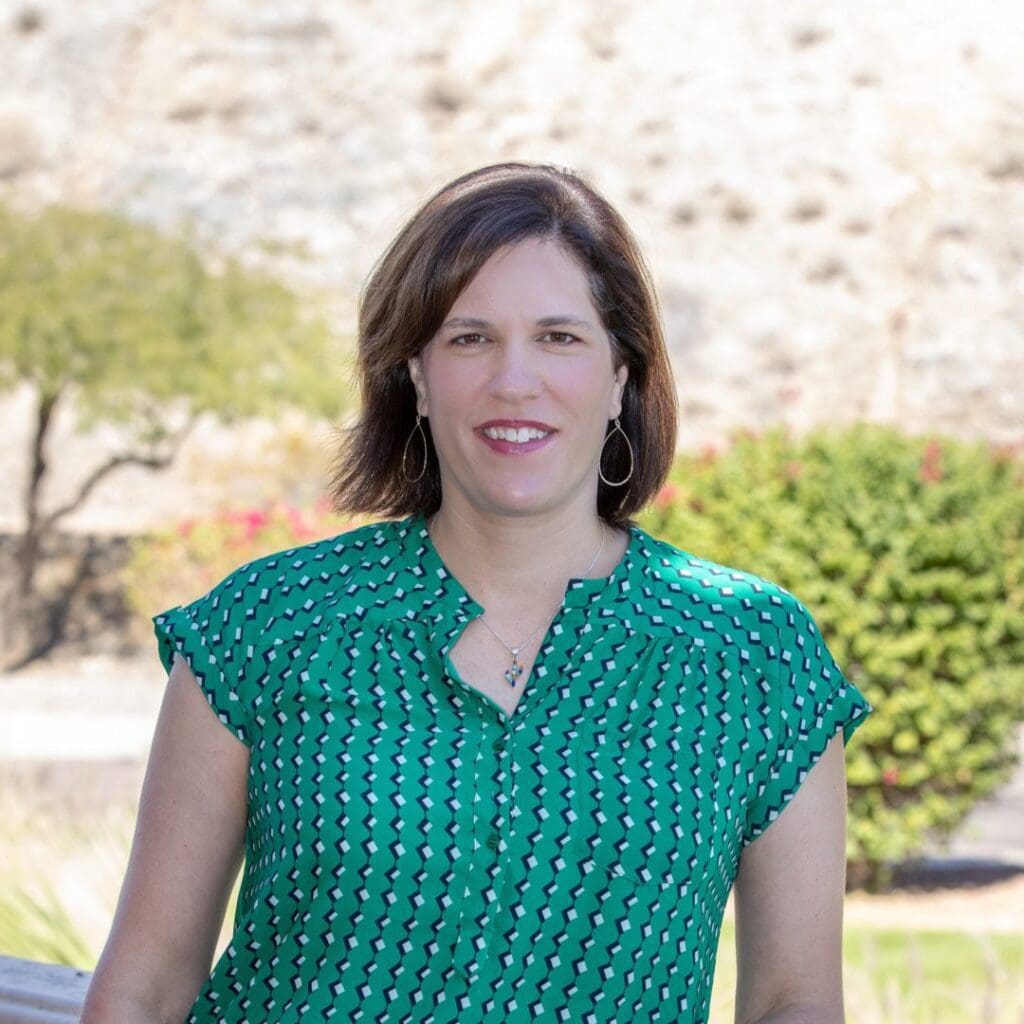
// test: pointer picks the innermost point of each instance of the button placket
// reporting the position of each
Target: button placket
(485, 880)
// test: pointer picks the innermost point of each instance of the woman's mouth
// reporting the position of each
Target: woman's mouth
(514, 441)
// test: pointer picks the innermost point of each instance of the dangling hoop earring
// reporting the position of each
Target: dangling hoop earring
(618, 427)
(405, 451)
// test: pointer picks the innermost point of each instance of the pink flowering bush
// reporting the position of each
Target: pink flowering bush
(184, 560)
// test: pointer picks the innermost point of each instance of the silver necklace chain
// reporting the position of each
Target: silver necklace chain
(515, 670)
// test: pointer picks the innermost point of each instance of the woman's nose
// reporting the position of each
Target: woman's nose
(516, 371)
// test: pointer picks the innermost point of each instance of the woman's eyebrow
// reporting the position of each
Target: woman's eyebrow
(544, 321)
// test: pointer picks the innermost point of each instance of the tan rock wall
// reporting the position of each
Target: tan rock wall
(831, 195)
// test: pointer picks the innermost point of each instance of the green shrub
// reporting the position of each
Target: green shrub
(909, 552)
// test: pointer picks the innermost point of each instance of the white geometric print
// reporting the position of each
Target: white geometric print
(416, 856)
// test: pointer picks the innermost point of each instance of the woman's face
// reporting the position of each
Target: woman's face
(523, 346)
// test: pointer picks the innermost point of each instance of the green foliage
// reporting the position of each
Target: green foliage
(910, 975)
(180, 563)
(134, 321)
(58, 871)
(36, 925)
(933, 977)
(909, 552)
(60, 876)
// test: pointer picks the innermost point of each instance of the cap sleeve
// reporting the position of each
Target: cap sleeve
(211, 635)
(813, 701)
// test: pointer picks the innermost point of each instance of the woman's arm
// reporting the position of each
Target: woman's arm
(188, 846)
(789, 894)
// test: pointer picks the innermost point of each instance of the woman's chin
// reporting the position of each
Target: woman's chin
(528, 502)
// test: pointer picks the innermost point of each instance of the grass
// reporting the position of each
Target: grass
(37, 926)
(60, 881)
(896, 976)
(55, 877)
(937, 976)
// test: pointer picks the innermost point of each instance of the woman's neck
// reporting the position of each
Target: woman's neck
(523, 562)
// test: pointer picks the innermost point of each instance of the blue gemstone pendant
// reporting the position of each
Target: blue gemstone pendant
(513, 673)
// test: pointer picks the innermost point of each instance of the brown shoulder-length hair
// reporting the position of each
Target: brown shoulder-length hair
(414, 285)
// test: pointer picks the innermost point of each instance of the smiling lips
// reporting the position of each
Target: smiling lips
(515, 436)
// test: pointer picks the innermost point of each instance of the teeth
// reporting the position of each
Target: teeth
(518, 436)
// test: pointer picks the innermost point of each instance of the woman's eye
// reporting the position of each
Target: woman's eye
(471, 340)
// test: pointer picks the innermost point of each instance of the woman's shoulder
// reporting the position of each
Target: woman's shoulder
(289, 591)
(266, 606)
(333, 557)
(720, 605)
(673, 569)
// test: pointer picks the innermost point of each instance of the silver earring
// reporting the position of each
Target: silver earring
(618, 427)
(405, 451)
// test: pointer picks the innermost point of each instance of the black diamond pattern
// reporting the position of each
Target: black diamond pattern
(402, 867)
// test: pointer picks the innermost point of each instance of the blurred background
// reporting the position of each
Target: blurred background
(830, 198)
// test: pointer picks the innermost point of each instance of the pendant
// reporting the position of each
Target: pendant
(515, 671)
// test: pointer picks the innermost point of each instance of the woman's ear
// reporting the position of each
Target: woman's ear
(619, 389)
(415, 366)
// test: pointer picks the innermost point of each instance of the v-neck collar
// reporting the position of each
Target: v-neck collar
(439, 597)
(444, 594)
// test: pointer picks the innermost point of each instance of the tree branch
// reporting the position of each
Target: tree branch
(37, 464)
(114, 462)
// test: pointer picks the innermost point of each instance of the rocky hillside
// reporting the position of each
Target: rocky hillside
(831, 195)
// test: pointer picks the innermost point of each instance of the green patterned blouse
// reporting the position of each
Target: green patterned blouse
(414, 854)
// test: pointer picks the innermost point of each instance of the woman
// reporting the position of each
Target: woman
(503, 755)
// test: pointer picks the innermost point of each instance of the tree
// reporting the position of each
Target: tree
(134, 330)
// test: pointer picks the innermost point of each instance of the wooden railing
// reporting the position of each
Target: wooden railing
(34, 993)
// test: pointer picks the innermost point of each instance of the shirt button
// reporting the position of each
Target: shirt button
(492, 841)
(498, 745)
